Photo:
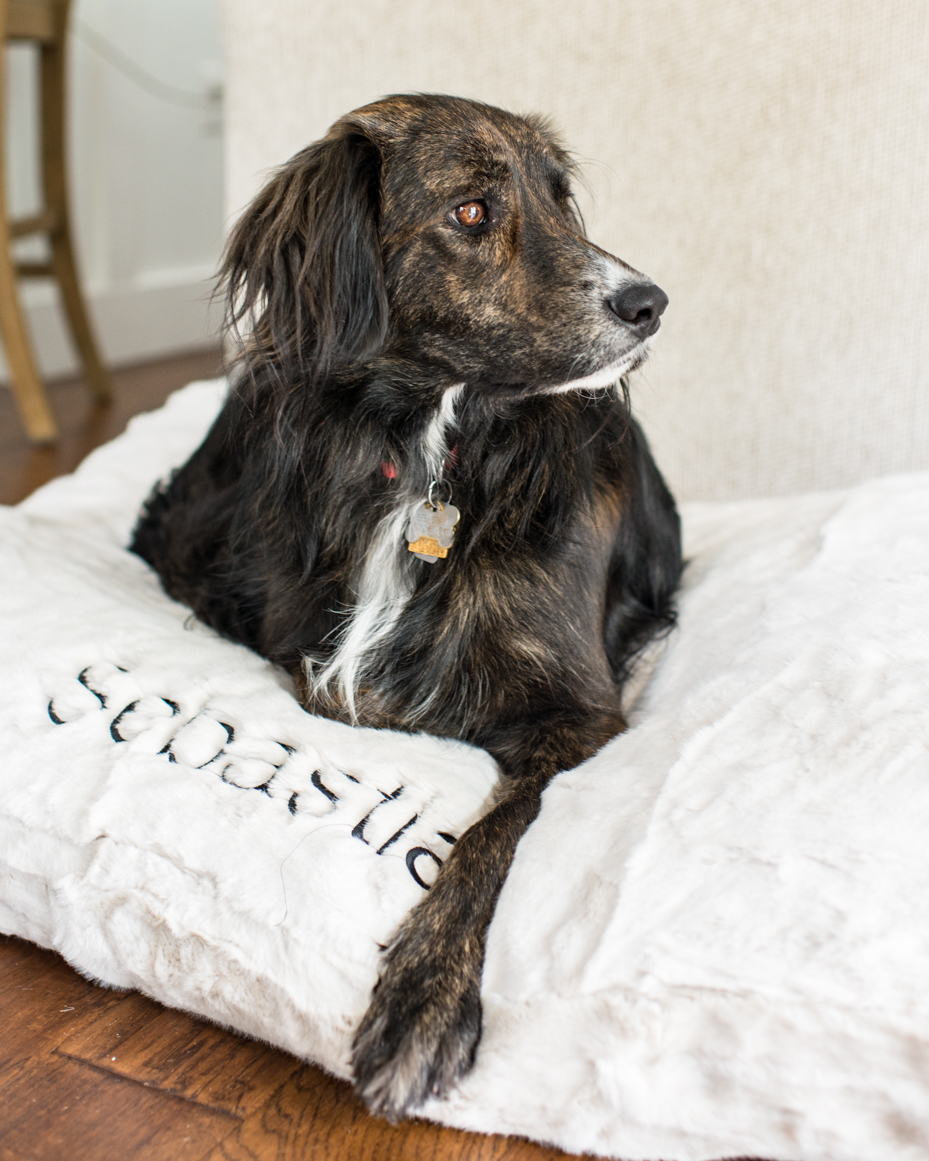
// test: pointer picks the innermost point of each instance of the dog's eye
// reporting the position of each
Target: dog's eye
(470, 214)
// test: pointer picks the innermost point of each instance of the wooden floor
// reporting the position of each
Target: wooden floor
(88, 1074)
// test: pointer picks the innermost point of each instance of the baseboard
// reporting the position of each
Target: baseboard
(152, 318)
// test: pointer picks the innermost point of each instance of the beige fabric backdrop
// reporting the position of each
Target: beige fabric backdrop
(767, 164)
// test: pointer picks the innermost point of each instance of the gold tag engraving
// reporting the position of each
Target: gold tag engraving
(429, 546)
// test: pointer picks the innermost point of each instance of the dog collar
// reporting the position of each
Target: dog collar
(389, 468)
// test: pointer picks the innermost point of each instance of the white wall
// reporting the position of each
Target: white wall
(766, 163)
(146, 176)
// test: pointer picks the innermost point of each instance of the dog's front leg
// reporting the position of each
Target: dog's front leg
(420, 1032)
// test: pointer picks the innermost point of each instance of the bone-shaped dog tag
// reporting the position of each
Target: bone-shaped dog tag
(431, 531)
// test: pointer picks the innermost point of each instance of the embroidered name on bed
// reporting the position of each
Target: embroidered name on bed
(383, 820)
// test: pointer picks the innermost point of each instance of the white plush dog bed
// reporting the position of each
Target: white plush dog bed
(713, 942)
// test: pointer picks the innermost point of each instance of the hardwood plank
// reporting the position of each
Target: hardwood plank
(156, 1046)
(180, 1054)
(316, 1116)
(70, 1110)
(42, 1000)
(9, 1155)
(102, 1032)
(46, 1098)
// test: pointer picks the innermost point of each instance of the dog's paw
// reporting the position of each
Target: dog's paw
(419, 1034)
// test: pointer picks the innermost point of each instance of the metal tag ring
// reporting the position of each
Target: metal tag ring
(432, 487)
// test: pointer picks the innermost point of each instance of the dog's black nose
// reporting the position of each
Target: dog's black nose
(639, 306)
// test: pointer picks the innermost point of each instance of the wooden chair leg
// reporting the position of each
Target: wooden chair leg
(56, 200)
(27, 387)
(95, 374)
(28, 390)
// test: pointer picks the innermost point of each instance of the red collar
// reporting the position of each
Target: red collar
(389, 468)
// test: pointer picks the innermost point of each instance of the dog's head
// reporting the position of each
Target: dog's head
(442, 232)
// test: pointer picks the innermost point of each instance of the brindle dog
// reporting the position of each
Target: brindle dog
(426, 313)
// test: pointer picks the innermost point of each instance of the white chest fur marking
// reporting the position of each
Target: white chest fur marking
(386, 581)
(383, 590)
(435, 444)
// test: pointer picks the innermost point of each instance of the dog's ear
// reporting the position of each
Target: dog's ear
(303, 264)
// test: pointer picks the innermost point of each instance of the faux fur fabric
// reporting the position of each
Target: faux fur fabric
(713, 942)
